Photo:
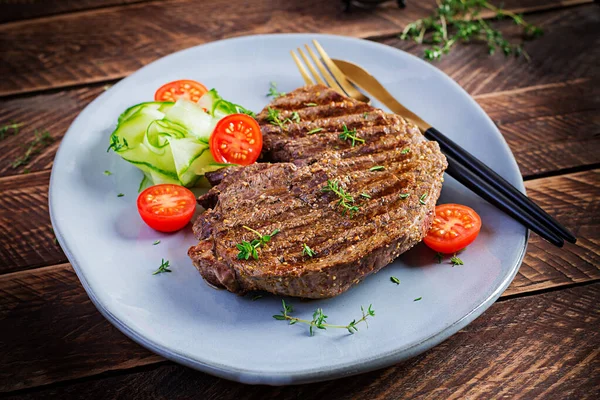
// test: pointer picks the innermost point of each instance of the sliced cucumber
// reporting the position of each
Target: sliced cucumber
(162, 106)
(198, 122)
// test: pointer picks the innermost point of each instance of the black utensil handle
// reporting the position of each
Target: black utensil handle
(488, 175)
(485, 191)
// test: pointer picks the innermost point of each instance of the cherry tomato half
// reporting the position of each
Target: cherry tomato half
(166, 207)
(454, 227)
(236, 139)
(185, 88)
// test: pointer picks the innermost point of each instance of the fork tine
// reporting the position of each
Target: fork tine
(330, 80)
(301, 68)
(310, 67)
(339, 75)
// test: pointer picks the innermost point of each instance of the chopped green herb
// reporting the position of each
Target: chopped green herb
(351, 135)
(439, 256)
(366, 195)
(417, 299)
(295, 117)
(404, 195)
(346, 201)
(456, 261)
(310, 104)
(377, 168)
(120, 195)
(395, 280)
(273, 117)
(455, 21)
(314, 131)
(55, 241)
(156, 242)
(258, 296)
(248, 249)
(115, 143)
(319, 320)
(164, 267)
(273, 91)
(5, 128)
(366, 115)
(307, 251)
(422, 198)
(405, 151)
(107, 173)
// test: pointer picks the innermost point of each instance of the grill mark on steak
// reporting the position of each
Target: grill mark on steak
(288, 196)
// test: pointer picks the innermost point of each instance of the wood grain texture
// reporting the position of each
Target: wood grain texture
(47, 313)
(543, 346)
(26, 236)
(549, 127)
(108, 44)
(14, 10)
(44, 305)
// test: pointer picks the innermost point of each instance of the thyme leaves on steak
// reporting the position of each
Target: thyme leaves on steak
(274, 117)
(346, 201)
(319, 319)
(307, 251)
(249, 249)
(351, 135)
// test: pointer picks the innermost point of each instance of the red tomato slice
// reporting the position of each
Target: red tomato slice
(454, 227)
(166, 207)
(185, 88)
(236, 139)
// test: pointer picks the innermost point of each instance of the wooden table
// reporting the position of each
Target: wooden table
(541, 339)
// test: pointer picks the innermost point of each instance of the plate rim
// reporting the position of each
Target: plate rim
(316, 374)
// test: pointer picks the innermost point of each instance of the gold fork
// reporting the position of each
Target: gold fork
(330, 76)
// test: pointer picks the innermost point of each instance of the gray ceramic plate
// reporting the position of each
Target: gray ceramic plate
(178, 316)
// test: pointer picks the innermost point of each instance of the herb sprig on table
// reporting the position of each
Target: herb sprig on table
(40, 141)
(455, 21)
(319, 320)
(5, 129)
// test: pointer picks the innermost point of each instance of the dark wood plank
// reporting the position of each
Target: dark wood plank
(16, 10)
(47, 312)
(26, 235)
(549, 127)
(573, 199)
(52, 112)
(109, 44)
(543, 346)
(48, 307)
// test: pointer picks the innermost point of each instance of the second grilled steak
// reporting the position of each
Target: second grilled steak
(393, 180)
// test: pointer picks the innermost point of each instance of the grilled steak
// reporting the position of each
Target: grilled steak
(385, 210)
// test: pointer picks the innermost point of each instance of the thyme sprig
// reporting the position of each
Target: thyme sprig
(14, 127)
(351, 135)
(249, 249)
(273, 117)
(455, 21)
(40, 141)
(319, 320)
(307, 251)
(346, 201)
(273, 91)
(164, 267)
